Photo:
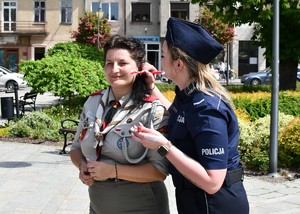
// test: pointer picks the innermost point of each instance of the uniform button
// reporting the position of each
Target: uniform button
(129, 120)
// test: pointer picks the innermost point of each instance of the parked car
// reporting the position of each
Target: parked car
(298, 73)
(257, 78)
(9, 78)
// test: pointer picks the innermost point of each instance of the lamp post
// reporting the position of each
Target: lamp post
(99, 15)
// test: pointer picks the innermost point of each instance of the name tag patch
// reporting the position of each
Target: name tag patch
(213, 151)
(180, 119)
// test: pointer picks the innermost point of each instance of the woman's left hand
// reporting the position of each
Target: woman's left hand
(150, 138)
(100, 171)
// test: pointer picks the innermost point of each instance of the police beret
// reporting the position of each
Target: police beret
(193, 39)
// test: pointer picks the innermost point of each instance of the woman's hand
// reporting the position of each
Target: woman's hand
(101, 171)
(150, 80)
(150, 138)
(84, 175)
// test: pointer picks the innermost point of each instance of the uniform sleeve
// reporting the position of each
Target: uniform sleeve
(208, 128)
(160, 120)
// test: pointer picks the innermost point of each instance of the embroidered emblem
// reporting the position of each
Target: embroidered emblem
(86, 123)
(119, 142)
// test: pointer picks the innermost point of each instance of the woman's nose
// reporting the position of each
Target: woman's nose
(115, 68)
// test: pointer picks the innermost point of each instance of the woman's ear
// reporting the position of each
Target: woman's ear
(179, 64)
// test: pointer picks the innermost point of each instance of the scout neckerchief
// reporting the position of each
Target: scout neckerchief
(101, 129)
(127, 107)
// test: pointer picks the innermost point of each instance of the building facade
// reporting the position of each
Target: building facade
(144, 19)
(30, 27)
(147, 20)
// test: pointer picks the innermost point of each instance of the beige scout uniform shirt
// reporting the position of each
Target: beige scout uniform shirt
(118, 145)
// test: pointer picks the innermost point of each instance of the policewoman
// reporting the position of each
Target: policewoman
(123, 176)
(203, 132)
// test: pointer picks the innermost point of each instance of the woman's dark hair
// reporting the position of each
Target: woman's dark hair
(137, 52)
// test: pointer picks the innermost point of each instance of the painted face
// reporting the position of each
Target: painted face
(118, 67)
(166, 61)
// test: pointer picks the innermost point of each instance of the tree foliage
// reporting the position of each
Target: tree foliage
(260, 13)
(87, 32)
(68, 69)
(222, 32)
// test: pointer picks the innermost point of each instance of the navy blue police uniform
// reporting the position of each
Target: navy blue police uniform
(206, 129)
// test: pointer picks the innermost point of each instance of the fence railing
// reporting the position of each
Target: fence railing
(23, 27)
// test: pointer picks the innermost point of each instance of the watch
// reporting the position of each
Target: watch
(164, 149)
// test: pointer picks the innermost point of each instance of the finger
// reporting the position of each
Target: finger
(90, 164)
(141, 128)
(150, 137)
(90, 170)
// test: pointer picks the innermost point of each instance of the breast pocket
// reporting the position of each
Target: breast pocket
(123, 130)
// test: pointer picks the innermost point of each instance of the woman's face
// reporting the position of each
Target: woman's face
(118, 67)
(166, 61)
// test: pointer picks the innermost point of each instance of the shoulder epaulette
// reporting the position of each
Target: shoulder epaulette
(96, 93)
(150, 98)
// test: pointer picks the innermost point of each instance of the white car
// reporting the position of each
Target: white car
(8, 79)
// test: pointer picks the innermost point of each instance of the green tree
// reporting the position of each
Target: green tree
(222, 32)
(68, 69)
(87, 32)
(260, 13)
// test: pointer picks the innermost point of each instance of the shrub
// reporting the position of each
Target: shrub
(246, 142)
(4, 131)
(289, 145)
(66, 71)
(248, 88)
(63, 110)
(36, 125)
(258, 105)
(87, 32)
(255, 141)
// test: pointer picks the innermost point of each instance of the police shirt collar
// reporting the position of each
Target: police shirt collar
(185, 93)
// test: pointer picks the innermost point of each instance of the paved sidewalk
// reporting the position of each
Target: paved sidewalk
(36, 179)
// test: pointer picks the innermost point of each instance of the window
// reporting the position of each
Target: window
(110, 10)
(180, 10)
(140, 12)
(39, 11)
(9, 13)
(39, 53)
(66, 11)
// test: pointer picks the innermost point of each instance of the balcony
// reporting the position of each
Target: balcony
(23, 28)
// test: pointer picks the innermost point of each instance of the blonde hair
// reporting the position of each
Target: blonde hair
(200, 74)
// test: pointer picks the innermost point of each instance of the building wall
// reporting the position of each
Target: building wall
(244, 33)
(56, 32)
(165, 9)
(116, 26)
